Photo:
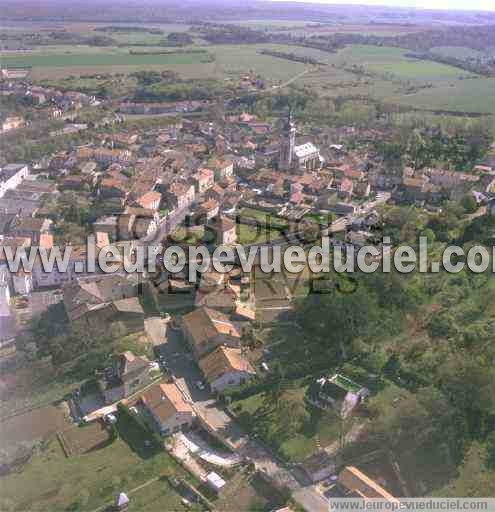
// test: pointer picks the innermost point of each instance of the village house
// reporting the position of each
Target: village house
(226, 367)
(97, 302)
(347, 171)
(203, 180)
(107, 156)
(135, 223)
(167, 409)
(179, 195)
(219, 291)
(75, 182)
(345, 188)
(206, 211)
(30, 227)
(216, 192)
(223, 297)
(356, 484)
(223, 230)
(205, 329)
(113, 188)
(338, 392)
(104, 155)
(221, 167)
(125, 376)
(150, 200)
(44, 278)
(362, 189)
(37, 96)
(124, 138)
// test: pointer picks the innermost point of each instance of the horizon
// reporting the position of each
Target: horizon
(442, 5)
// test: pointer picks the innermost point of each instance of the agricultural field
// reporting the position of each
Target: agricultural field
(57, 62)
(394, 62)
(375, 72)
(388, 74)
(102, 59)
(477, 95)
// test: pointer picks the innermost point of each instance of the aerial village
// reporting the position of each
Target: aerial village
(188, 353)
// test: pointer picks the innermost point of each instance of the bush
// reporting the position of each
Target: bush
(469, 203)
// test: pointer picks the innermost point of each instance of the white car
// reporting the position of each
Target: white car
(200, 385)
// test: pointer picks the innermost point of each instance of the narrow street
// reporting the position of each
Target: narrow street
(187, 375)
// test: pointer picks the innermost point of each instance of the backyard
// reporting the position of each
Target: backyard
(260, 414)
(51, 481)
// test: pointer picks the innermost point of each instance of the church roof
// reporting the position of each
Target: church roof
(305, 150)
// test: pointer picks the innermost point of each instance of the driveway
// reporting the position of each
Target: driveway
(182, 366)
(200, 448)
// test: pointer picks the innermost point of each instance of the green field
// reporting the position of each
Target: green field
(101, 59)
(230, 61)
(442, 87)
(458, 52)
(376, 72)
(319, 429)
(51, 481)
(477, 95)
(393, 61)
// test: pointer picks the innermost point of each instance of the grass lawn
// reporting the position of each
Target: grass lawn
(263, 217)
(50, 481)
(191, 236)
(255, 234)
(319, 429)
(158, 496)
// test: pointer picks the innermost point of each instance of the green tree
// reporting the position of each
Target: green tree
(469, 203)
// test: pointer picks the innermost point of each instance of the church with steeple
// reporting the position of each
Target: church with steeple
(305, 157)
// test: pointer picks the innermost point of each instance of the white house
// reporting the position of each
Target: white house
(11, 176)
(168, 410)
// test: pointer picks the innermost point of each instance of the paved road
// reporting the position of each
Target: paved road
(182, 366)
(311, 500)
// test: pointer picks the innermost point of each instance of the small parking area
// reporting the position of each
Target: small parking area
(180, 363)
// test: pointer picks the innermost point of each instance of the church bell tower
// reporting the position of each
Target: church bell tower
(287, 149)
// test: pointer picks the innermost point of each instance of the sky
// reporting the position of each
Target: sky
(471, 5)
